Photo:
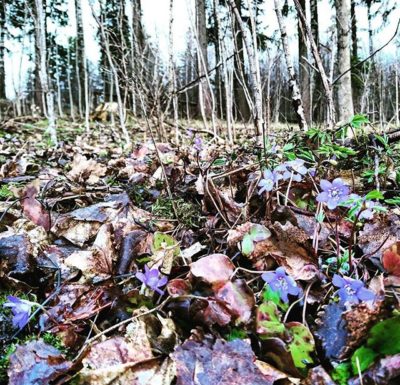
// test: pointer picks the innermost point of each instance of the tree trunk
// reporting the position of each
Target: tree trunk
(40, 28)
(251, 49)
(344, 88)
(204, 101)
(82, 49)
(304, 69)
(239, 79)
(2, 49)
(317, 94)
(293, 86)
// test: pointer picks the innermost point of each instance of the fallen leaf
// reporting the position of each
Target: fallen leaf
(32, 208)
(222, 363)
(36, 363)
(239, 299)
(318, 376)
(213, 269)
(391, 259)
(382, 373)
(86, 170)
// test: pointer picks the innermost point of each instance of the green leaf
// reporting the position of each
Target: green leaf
(302, 344)
(365, 357)
(268, 321)
(247, 245)
(342, 373)
(385, 336)
(162, 241)
(358, 120)
(257, 233)
(374, 194)
(393, 201)
(383, 340)
(272, 295)
(219, 162)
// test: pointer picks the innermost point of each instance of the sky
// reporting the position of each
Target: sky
(156, 23)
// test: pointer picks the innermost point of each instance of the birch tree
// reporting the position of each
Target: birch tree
(344, 88)
(40, 31)
(2, 49)
(304, 70)
(83, 59)
(293, 85)
(250, 41)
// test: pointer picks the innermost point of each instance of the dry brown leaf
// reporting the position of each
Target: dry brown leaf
(86, 170)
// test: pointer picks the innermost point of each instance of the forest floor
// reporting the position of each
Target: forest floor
(204, 263)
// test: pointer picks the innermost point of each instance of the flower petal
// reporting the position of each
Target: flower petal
(365, 294)
(325, 184)
(338, 281)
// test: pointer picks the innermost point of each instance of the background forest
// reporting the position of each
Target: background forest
(231, 70)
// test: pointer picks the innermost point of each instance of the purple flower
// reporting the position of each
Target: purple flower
(293, 169)
(352, 291)
(333, 193)
(190, 132)
(151, 279)
(282, 283)
(21, 310)
(198, 144)
(269, 181)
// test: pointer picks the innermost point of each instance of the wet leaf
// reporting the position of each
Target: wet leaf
(332, 331)
(239, 299)
(222, 363)
(36, 363)
(391, 259)
(213, 269)
(302, 344)
(268, 321)
(32, 208)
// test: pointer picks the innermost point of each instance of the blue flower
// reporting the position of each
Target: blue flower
(198, 144)
(282, 283)
(21, 310)
(151, 279)
(333, 193)
(294, 169)
(352, 291)
(269, 181)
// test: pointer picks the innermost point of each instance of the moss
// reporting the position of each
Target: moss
(189, 214)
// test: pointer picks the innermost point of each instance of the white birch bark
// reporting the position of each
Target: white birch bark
(344, 90)
(40, 28)
(251, 49)
(293, 85)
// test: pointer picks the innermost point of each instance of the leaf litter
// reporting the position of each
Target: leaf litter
(220, 265)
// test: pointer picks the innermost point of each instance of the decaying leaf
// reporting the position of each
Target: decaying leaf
(385, 372)
(222, 363)
(391, 259)
(239, 299)
(86, 170)
(36, 363)
(32, 208)
(332, 332)
(318, 376)
(115, 359)
(213, 269)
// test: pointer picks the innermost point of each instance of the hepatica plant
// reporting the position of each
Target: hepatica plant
(269, 181)
(334, 193)
(21, 310)
(352, 291)
(282, 283)
(151, 278)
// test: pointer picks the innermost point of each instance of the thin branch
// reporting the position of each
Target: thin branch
(370, 56)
